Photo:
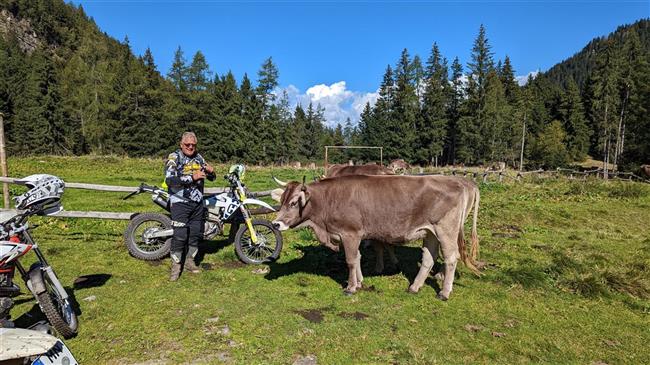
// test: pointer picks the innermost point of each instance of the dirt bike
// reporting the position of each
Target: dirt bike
(40, 278)
(148, 235)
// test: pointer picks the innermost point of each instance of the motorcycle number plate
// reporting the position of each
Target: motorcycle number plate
(59, 354)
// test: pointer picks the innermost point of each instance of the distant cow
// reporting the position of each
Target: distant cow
(344, 210)
(497, 166)
(646, 170)
(399, 166)
(346, 170)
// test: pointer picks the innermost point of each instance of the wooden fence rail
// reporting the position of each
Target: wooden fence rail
(124, 189)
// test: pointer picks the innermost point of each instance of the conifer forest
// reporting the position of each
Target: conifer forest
(67, 88)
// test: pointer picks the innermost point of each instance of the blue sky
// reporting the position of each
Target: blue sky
(335, 52)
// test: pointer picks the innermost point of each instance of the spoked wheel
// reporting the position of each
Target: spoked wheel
(59, 311)
(266, 249)
(141, 240)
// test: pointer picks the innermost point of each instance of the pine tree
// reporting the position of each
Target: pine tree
(510, 87)
(178, 74)
(402, 123)
(198, 74)
(575, 124)
(473, 147)
(606, 99)
(432, 121)
(267, 81)
(635, 124)
(454, 108)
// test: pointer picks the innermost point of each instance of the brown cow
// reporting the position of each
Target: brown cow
(371, 169)
(344, 210)
(646, 170)
(399, 166)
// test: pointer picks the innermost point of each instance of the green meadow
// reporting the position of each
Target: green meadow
(567, 281)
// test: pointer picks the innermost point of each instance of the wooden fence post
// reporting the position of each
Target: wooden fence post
(3, 163)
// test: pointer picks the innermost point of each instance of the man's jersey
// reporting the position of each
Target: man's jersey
(178, 177)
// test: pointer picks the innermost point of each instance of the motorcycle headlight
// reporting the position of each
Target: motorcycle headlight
(237, 169)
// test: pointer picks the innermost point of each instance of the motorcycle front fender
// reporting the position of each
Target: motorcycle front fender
(35, 282)
(247, 202)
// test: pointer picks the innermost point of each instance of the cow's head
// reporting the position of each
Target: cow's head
(294, 199)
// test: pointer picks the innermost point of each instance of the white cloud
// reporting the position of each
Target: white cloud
(339, 102)
(522, 80)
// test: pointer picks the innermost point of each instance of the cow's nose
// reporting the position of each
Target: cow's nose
(276, 225)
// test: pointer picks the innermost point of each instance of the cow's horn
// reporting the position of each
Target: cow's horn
(279, 182)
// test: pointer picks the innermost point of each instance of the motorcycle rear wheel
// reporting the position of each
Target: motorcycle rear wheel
(152, 249)
(59, 312)
(268, 247)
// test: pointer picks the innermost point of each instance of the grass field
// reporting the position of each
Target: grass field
(567, 282)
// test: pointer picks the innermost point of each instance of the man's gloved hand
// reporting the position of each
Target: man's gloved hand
(208, 168)
(198, 175)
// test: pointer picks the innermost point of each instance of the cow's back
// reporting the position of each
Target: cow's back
(346, 170)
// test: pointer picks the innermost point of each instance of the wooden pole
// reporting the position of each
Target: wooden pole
(3, 163)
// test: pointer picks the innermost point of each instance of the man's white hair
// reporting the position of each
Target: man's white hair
(189, 135)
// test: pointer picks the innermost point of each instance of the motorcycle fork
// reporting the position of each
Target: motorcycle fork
(249, 224)
(45, 267)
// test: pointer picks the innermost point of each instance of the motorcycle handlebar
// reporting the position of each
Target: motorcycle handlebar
(142, 189)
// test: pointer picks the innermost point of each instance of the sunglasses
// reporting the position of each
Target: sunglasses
(188, 145)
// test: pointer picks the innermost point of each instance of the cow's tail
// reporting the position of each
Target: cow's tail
(470, 261)
(475, 243)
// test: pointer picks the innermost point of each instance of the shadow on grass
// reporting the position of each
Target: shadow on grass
(321, 261)
(211, 247)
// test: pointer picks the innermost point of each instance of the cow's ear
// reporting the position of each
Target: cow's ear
(276, 194)
(304, 197)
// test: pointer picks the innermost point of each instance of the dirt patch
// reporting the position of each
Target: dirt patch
(207, 266)
(511, 228)
(356, 315)
(312, 315)
(155, 262)
(370, 288)
(473, 327)
(541, 247)
(505, 235)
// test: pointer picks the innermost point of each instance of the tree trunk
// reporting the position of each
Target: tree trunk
(523, 140)
(619, 131)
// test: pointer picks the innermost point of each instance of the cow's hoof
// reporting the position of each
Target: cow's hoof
(411, 290)
(348, 292)
(442, 297)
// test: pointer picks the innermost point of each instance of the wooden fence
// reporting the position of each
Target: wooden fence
(123, 189)
(500, 176)
(484, 176)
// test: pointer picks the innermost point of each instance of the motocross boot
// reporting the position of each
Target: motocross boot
(190, 265)
(176, 266)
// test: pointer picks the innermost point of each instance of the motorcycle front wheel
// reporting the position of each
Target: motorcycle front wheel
(266, 249)
(145, 248)
(59, 311)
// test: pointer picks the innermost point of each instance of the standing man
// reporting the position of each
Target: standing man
(185, 173)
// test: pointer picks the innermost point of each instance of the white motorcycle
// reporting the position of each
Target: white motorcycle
(15, 241)
(148, 235)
